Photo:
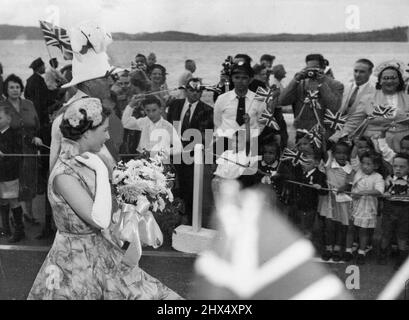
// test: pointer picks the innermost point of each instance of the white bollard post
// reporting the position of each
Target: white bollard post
(197, 188)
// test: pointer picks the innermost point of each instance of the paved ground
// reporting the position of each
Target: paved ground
(20, 269)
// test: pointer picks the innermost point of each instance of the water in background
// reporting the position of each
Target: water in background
(17, 55)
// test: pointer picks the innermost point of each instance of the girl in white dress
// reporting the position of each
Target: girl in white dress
(366, 186)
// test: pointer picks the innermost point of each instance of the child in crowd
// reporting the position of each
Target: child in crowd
(307, 197)
(334, 208)
(157, 134)
(268, 163)
(387, 152)
(10, 143)
(395, 217)
(227, 169)
(361, 145)
(367, 184)
(287, 171)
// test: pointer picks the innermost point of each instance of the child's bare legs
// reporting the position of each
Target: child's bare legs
(340, 240)
(329, 238)
(363, 241)
(349, 242)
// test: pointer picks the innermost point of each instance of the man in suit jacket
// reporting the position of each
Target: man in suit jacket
(357, 91)
(312, 78)
(184, 114)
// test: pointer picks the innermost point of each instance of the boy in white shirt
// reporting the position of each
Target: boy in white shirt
(157, 134)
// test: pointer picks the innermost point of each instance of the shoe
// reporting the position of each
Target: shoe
(360, 259)
(336, 256)
(31, 220)
(326, 255)
(368, 249)
(347, 256)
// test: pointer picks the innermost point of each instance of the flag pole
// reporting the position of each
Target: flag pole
(48, 50)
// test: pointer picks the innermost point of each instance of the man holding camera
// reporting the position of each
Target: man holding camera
(312, 79)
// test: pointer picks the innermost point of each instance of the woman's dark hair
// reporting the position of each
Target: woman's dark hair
(161, 68)
(85, 124)
(401, 86)
(12, 78)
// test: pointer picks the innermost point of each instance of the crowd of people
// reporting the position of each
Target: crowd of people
(347, 172)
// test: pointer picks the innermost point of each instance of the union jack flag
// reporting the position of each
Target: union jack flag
(335, 121)
(268, 120)
(55, 36)
(295, 157)
(316, 136)
(384, 111)
(311, 98)
(264, 95)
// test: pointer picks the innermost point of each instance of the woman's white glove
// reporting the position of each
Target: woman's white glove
(102, 207)
(92, 161)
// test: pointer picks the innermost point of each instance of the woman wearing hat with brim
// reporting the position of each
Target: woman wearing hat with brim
(82, 263)
(390, 94)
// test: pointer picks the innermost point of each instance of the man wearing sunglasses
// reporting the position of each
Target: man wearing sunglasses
(189, 115)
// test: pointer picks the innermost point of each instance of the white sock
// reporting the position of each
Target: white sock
(361, 251)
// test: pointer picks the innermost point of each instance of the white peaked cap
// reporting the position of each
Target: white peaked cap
(89, 42)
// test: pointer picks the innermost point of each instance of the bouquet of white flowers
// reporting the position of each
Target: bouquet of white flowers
(141, 186)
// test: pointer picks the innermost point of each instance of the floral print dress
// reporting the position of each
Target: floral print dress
(82, 264)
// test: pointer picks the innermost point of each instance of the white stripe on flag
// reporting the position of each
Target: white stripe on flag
(326, 288)
(223, 274)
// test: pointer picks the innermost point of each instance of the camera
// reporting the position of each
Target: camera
(313, 73)
(227, 66)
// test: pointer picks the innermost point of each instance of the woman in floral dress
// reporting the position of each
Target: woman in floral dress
(82, 263)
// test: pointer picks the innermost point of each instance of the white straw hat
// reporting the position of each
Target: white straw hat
(89, 42)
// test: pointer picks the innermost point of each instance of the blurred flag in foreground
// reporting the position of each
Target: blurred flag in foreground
(258, 255)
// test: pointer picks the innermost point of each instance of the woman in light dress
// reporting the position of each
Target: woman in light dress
(82, 263)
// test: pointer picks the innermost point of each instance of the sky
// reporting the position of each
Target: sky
(213, 16)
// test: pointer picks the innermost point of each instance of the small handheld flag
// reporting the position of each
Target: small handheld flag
(268, 120)
(311, 98)
(335, 121)
(56, 36)
(316, 136)
(384, 111)
(295, 157)
(264, 95)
